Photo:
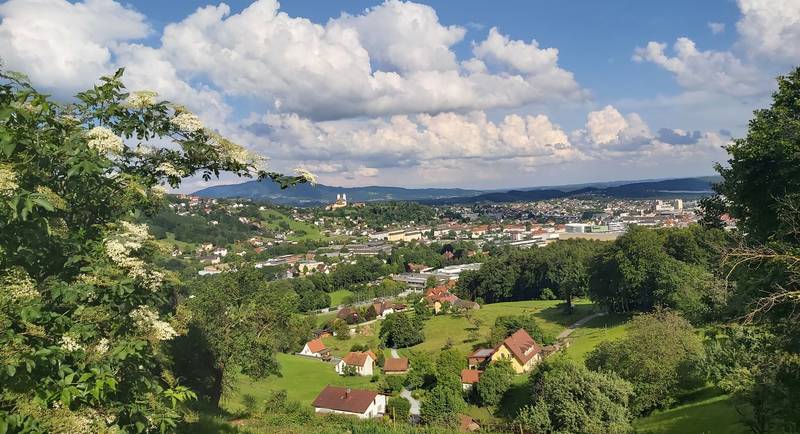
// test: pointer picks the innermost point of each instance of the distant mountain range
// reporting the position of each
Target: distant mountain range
(307, 195)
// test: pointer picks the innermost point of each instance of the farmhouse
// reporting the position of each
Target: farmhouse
(363, 404)
(469, 377)
(362, 363)
(382, 308)
(395, 366)
(519, 348)
(315, 348)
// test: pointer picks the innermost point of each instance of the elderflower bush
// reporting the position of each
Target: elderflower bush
(84, 311)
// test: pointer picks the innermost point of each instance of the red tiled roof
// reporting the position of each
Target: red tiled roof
(470, 376)
(316, 346)
(344, 399)
(522, 346)
(398, 364)
(358, 358)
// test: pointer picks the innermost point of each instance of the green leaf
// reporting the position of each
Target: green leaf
(44, 204)
(11, 369)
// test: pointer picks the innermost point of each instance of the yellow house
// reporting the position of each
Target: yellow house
(521, 350)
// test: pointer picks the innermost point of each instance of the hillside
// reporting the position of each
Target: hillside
(307, 195)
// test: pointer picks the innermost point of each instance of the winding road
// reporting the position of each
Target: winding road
(414, 411)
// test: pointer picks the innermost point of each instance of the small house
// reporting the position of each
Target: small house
(395, 366)
(363, 404)
(519, 348)
(315, 348)
(362, 363)
(469, 377)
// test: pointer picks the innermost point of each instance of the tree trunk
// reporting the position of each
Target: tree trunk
(216, 393)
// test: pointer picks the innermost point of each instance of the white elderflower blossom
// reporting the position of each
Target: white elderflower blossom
(104, 141)
(135, 232)
(152, 280)
(102, 346)
(187, 122)
(305, 174)
(8, 181)
(144, 150)
(146, 320)
(119, 248)
(158, 191)
(19, 285)
(169, 170)
(54, 199)
(141, 99)
(70, 344)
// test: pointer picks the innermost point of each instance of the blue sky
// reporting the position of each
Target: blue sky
(437, 93)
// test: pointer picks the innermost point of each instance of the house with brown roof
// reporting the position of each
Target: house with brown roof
(348, 315)
(362, 363)
(469, 377)
(395, 366)
(315, 348)
(363, 404)
(382, 308)
(521, 350)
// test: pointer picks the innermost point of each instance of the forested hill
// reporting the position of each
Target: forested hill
(321, 194)
(306, 194)
(670, 188)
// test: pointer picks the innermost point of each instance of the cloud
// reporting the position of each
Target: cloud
(695, 70)
(770, 29)
(716, 28)
(404, 37)
(65, 46)
(392, 59)
(610, 134)
(407, 140)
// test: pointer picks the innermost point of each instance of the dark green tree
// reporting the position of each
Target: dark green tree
(661, 356)
(568, 398)
(494, 382)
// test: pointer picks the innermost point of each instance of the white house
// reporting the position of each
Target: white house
(362, 362)
(314, 348)
(363, 404)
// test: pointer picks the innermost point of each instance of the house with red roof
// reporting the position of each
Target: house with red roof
(315, 348)
(395, 366)
(363, 404)
(521, 350)
(469, 377)
(362, 363)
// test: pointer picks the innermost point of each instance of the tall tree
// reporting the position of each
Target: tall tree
(568, 398)
(660, 356)
(84, 312)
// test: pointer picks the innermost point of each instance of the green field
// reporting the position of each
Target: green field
(302, 378)
(585, 338)
(551, 318)
(338, 296)
(709, 413)
(273, 218)
(366, 335)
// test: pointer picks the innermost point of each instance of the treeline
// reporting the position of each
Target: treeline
(198, 229)
(638, 271)
(434, 254)
(384, 214)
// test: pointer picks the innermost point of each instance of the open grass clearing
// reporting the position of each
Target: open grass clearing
(708, 412)
(337, 297)
(456, 329)
(302, 378)
(588, 336)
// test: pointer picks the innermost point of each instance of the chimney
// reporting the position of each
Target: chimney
(347, 393)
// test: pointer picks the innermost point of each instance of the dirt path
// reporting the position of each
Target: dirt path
(568, 331)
